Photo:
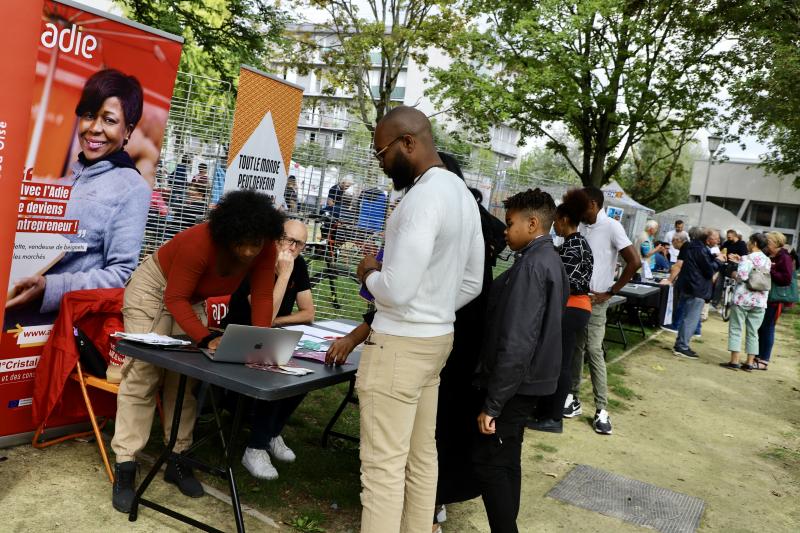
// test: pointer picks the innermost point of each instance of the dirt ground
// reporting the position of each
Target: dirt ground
(729, 438)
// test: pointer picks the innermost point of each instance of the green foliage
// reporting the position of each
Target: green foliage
(543, 163)
(658, 170)
(373, 35)
(608, 71)
(450, 142)
(764, 88)
(483, 161)
(220, 35)
(306, 525)
(309, 154)
(545, 447)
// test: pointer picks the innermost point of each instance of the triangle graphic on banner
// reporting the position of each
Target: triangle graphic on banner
(259, 164)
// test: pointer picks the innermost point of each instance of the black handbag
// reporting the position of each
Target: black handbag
(90, 358)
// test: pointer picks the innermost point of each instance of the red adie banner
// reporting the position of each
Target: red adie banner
(51, 233)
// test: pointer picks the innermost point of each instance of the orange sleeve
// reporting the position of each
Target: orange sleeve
(262, 282)
(185, 272)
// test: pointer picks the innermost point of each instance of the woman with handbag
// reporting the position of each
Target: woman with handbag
(780, 294)
(749, 301)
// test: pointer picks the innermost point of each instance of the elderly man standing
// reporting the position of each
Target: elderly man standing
(694, 284)
(432, 265)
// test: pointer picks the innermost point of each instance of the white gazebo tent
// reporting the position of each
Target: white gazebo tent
(634, 215)
(713, 216)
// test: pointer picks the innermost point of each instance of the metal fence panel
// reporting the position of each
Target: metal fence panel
(340, 192)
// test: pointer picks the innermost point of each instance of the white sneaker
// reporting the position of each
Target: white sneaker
(258, 464)
(568, 401)
(280, 451)
(441, 514)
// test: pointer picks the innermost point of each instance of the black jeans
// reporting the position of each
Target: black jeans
(269, 417)
(496, 459)
(552, 407)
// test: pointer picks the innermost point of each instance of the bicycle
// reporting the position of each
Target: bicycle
(726, 301)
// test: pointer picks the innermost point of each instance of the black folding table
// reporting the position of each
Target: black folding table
(258, 384)
(637, 295)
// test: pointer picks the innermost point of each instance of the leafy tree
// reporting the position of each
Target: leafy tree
(764, 88)
(375, 39)
(657, 175)
(309, 154)
(450, 142)
(219, 35)
(609, 71)
(544, 163)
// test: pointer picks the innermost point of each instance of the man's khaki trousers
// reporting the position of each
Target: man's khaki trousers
(398, 385)
(143, 311)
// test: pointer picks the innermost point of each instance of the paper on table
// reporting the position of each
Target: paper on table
(319, 357)
(314, 332)
(341, 327)
(153, 339)
(313, 343)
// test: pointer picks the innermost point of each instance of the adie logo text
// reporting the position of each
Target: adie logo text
(69, 40)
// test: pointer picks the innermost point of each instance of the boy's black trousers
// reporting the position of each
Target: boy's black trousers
(496, 460)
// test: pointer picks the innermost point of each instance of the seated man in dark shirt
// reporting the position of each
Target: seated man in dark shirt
(291, 286)
(734, 244)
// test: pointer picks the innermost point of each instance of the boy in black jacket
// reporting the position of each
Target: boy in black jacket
(521, 355)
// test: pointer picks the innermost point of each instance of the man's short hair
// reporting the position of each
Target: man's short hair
(680, 236)
(536, 202)
(698, 233)
(202, 166)
(595, 195)
(679, 222)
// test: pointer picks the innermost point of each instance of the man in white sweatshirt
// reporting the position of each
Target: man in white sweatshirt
(432, 265)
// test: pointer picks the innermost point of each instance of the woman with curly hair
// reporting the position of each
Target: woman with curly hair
(579, 263)
(166, 295)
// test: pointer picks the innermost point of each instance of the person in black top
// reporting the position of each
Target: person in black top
(579, 263)
(734, 244)
(290, 194)
(292, 287)
(333, 204)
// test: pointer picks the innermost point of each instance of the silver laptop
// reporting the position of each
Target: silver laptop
(251, 344)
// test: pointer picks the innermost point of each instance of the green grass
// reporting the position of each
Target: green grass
(545, 447)
(320, 489)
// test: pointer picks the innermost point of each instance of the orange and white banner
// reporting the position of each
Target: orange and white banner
(51, 49)
(19, 35)
(263, 136)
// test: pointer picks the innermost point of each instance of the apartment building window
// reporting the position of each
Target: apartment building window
(786, 217)
(760, 214)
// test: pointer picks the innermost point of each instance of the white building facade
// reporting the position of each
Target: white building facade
(764, 201)
(330, 112)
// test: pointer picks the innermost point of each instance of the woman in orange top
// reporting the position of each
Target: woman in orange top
(577, 258)
(166, 295)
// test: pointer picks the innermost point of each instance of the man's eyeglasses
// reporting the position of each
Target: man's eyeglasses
(379, 153)
(294, 243)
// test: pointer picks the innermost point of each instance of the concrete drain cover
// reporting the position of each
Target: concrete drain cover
(630, 500)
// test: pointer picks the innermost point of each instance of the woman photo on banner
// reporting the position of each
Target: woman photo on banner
(109, 198)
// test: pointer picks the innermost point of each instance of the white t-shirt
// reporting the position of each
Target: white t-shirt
(606, 238)
(432, 261)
